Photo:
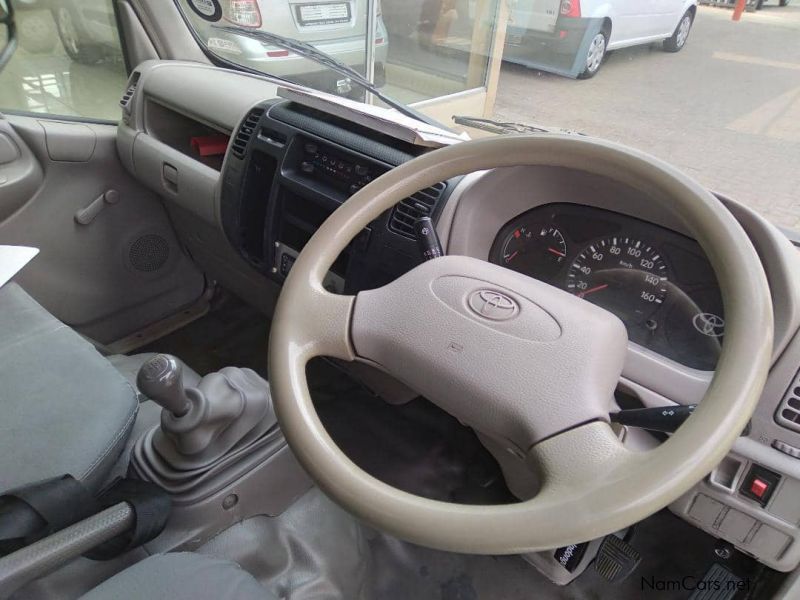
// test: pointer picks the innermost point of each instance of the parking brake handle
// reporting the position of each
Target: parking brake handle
(427, 240)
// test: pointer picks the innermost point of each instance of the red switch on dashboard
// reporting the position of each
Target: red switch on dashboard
(759, 484)
(759, 487)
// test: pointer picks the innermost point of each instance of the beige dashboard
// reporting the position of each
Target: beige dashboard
(477, 207)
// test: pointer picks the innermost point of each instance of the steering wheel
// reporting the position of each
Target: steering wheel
(516, 359)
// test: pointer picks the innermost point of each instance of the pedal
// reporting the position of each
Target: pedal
(718, 584)
(616, 559)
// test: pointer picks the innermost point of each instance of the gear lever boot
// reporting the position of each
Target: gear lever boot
(200, 425)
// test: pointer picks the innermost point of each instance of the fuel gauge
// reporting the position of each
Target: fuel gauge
(537, 251)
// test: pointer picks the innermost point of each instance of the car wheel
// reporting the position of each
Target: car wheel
(74, 37)
(595, 55)
(681, 34)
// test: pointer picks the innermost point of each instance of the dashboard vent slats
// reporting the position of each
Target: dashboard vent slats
(130, 90)
(419, 205)
(788, 413)
(246, 131)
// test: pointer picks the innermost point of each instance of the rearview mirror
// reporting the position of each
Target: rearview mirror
(7, 19)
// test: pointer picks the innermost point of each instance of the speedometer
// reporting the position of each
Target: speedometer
(623, 275)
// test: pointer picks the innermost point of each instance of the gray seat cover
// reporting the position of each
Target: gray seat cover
(181, 576)
(63, 407)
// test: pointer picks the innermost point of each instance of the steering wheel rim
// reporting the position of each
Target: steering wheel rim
(591, 484)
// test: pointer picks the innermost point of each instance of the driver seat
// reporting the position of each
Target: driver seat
(181, 576)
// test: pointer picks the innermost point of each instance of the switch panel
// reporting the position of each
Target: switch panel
(759, 484)
(736, 525)
(706, 510)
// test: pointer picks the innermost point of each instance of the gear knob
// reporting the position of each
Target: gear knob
(161, 380)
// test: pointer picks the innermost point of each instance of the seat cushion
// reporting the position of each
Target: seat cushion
(181, 576)
(64, 409)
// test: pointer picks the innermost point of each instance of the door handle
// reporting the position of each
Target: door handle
(86, 215)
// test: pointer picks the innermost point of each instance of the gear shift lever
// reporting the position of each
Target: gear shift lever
(200, 424)
(161, 380)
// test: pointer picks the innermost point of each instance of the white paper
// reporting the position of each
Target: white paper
(385, 120)
(12, 259)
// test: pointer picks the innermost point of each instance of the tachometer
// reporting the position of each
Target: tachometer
(537, 251)
(624, 275)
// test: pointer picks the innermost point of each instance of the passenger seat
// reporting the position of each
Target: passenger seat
(64, 409)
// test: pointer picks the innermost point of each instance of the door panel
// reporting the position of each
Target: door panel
(669, 13)
(634, 20)
(117, 273)
(20, 173)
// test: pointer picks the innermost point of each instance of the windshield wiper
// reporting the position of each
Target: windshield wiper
(307, 50)
(502, 127)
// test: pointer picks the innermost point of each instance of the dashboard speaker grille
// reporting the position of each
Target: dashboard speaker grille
(419, 205)
(246, 130)
(148, 253)
(789, 411)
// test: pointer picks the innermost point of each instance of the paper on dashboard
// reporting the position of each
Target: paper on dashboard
(385, 120)
(12, 259)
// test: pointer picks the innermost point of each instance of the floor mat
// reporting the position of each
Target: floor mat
(315, 550)
(231, 334)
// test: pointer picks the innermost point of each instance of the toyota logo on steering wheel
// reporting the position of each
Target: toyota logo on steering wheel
(493, 305)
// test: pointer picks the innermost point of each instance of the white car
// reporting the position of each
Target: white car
(572, 37)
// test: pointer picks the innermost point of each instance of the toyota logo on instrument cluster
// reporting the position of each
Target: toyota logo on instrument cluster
(494, 305)
(709, 324)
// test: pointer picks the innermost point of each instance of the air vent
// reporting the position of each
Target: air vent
(789, 411)
(421, 204)
(246, 130)
(129, 91)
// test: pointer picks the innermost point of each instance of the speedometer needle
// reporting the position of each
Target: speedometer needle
(596, 288)
(556, 252)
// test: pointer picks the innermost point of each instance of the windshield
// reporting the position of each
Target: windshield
(713, 88)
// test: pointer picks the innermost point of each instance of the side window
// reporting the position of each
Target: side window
(69, 60)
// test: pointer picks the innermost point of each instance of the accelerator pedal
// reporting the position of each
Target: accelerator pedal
(717, 584)
(616, 559)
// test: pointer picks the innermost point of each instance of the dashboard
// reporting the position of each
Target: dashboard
(246, 214)
(658, 282)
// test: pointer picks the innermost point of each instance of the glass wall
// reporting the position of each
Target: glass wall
(437, 47)
(421, 49)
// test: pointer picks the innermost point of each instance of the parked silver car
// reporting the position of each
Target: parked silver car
(336, 28)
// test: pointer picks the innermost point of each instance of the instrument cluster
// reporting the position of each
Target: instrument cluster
(657, 281)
